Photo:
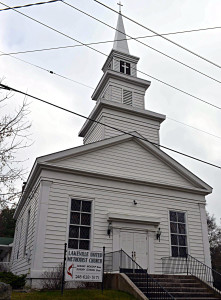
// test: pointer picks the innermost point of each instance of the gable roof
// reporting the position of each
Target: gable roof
(175, 176)
(132, 154)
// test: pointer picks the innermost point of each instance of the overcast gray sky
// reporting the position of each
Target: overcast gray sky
(53, 130)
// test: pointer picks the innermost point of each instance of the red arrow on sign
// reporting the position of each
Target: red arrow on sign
(69, 269)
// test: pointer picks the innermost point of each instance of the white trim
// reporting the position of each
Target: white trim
(186, 227)
(133, 218)
(206, 247)
(41, 222)
(151, 246)
(92, 218)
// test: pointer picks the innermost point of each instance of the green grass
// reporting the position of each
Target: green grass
(77, 294)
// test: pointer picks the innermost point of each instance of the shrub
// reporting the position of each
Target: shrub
(16, 281)
(52, 279)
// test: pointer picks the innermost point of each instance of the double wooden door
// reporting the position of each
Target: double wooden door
(135, 244)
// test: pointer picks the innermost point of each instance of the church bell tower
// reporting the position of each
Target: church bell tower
(119, 97)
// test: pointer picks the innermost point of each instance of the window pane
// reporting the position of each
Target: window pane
(128, 68)
(182, 251)
(181, 217)
(86, 206)
(182, 240)
(73, 244)
(121, 66)
(84, 245)
(74, 231)
(174, 251)
(75, 218)
(173, 227)
(84, 232)
(173, 216)
(181, 228)
(85, 219)
(75, 205)
(174, 239)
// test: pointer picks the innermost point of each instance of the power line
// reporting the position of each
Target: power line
(111, 41)
(69, 79)
(50, 71)
(213, 135)
(146, 45)
(28, 5)
(98, 122)
(212, 78)
(161, 81)
(160, 35)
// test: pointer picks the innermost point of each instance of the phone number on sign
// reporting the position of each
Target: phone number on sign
(87, 277)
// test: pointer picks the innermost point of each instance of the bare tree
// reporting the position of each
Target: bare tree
(14, 137)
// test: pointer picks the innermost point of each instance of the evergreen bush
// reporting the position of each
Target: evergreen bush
(16, 281)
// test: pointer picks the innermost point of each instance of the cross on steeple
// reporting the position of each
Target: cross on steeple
(119, 6)
(125, 66)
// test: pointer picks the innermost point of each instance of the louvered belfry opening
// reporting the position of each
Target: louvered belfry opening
(127, 97)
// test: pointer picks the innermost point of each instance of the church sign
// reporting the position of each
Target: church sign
(83, 265)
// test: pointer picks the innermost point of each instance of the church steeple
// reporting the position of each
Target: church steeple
(120, 40)
(120, 97)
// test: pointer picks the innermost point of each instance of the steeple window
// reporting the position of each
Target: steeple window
(124, 67)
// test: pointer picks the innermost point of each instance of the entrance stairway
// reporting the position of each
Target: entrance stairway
(181, 287)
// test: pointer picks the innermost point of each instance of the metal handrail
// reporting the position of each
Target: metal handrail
(190, 265)
(120, 261)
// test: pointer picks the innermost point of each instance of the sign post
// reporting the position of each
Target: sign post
(102, 285)
(84, 265)
(63, 273)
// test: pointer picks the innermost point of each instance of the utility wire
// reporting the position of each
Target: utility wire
(161, 81)
(49, 71)
(146, 45)
(28, 5)
(216, 136)
(67, 78)
(3, 86)
(111, 41)
(160, 35)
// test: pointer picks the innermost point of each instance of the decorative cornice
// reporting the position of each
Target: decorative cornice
(110, 74)
(134, 218)
(119, 107)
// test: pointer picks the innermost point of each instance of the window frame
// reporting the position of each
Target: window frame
(79, 225)
(127, 67)
(27, 230)
(178, 234)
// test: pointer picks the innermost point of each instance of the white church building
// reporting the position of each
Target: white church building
(116, 190)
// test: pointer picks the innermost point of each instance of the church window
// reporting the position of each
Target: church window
(124, 67)
(178, 234)
(19, 241)
(127, 97)
(80, 224)
(26, 233)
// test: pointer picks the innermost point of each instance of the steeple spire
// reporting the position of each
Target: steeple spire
(120, 42)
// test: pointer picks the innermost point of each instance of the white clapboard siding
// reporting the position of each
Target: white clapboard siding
(128, 160)
(116, 94)
(138, 100)
(21, 264)
(146, 129)
(133, 70)
(106, 200)
(116, 65)
(96, 133)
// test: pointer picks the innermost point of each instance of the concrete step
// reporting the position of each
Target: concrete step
(181, 287)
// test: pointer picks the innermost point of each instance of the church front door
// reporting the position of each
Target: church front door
(135, 244)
